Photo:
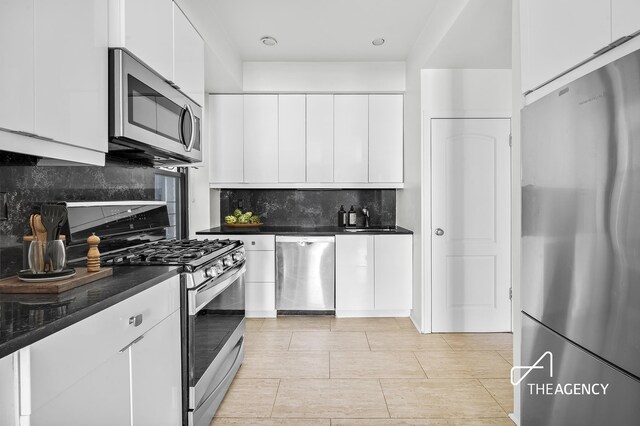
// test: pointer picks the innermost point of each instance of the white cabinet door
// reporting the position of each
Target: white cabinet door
(558, 35)
(351, 138)
(386, 121)
(354, 272)
(393, 272)
(319, 138)
(260, 298)
(226, 130)
(188, 57)
(292, 138)
(17, 107)
(145, 27)
(625, 19)
(71, 66)
(261, 138)
(8, 392)
(100, 398)
(261, 266)
(156, 375)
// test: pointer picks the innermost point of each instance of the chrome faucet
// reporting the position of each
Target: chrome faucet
(365, 212)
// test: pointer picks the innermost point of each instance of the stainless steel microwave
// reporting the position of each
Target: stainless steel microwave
(149, 119)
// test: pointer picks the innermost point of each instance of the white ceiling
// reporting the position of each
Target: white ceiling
(316, 30)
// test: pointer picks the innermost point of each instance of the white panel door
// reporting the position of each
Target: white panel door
(354, 272)
(261, 138)
(226, 130)
(393, 272)
(260, 297)
(292, 138)
(100, 398)
(8, 391)
(148, 33)
(16, 65)
(471, 221)
(319, 138)
(156, 382)
(261, 266)
(558, 35)
(188, 57)
(351, 138)
(625, 19)
(386, 121)
(71, 66)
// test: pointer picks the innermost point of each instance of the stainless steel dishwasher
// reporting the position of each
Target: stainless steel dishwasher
(305, 273)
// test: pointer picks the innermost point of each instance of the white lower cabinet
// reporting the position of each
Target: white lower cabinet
(119, 365)
(354, 273)
(156, 392)
(8, 391)
(373, 275)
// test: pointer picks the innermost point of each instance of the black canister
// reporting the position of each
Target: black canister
(351, 217)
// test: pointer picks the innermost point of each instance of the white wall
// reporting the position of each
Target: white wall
(411, 211)
(323, 77)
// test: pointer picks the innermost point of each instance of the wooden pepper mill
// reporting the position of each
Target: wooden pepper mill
(93, 255)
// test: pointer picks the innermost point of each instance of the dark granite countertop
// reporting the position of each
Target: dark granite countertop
(302, 230)
(27, 318)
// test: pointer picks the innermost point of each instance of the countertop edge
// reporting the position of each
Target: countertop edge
(19, 342)
(222, 230)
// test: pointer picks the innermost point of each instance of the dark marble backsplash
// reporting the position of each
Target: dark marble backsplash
(311, 207)
(28, 185)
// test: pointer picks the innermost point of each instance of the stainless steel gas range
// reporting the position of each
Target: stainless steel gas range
(212, 290)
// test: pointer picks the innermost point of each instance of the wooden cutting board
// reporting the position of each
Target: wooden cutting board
(14, 285)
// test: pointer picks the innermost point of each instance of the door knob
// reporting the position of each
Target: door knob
(439, 232)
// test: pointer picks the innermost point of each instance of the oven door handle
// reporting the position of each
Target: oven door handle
(200, 296)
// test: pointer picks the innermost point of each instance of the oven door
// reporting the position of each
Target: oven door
(216, 324)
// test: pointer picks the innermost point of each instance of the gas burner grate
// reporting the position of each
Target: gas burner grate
(166, 252)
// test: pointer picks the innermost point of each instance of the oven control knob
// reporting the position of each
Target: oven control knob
(237, 256)
(228, 261)
(211, 272)
(218, 267)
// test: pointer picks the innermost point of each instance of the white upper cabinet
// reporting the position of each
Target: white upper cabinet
(188, 57)
(53, 78)
(71, 72)
(351, 138)
(261, 138)
(17, 107)
(145, 28)
(319, 138)
(385, 138)
(625, 18)
(307, 141)
(558, 35)
(226, 127)
(292, 138)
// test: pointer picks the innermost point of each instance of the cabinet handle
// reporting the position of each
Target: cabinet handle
(132, 343)
(136, 320)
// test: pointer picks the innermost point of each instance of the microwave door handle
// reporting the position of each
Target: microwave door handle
(180, 126)
(192, 140)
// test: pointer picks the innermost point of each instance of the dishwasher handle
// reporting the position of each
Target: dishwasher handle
(304, 241)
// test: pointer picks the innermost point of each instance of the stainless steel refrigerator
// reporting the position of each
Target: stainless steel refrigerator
(581, 251)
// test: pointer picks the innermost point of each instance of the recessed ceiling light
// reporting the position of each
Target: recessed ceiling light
(378, 42)
(269, 41)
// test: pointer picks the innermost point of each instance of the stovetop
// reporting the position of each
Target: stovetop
(190, 253)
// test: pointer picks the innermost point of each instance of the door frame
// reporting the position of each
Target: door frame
(427, 203)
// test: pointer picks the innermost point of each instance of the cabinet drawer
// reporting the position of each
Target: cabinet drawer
(63, 358)
(260, 296)
(261, 266)
(255, 242)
